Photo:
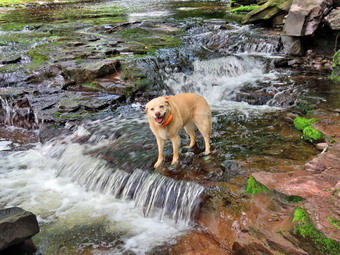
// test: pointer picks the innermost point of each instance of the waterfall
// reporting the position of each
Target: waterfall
(156, 195)
(219, 79)
(17, 112)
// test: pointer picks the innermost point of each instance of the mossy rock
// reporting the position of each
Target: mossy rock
(305, 228)
(312, 135)
(254, 187)
(300, 123)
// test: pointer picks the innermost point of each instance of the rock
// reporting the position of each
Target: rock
(305, 16)
(268, 11)
(299, 183)
(16, 226)
(333, 19)
(292, 45)
(87, 72)
(17, 112)
(198, 243)
(12, 60)
(328, 160)
(321, 146)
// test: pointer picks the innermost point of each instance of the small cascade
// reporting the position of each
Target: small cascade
(156, 195)
(241, 40)
(17, 112)
(220, 79)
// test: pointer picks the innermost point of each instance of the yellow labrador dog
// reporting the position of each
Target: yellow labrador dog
(168, 115)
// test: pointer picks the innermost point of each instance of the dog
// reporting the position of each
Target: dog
(168, 115)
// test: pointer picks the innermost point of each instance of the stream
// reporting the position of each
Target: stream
(92, 185)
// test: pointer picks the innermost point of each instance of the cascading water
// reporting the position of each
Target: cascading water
(155, 194)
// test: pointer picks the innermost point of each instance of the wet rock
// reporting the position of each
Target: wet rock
(328, 125)
(16, 226)
(292, 45)
(12, 60)
(261, 227)
(321, 146)
(299, 183)
(304, 16)
(333, 19)
(88, 71)
(328, 160)
(198, 242)
(268, 11)
(17, 112)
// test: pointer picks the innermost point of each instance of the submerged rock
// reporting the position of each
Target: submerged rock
(16, 226)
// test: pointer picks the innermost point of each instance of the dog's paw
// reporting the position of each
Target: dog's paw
(158, 163)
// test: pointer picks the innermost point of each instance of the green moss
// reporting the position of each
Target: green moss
(335, 79)
(147, 42)
(301, 123)
(93, 86)
(312, 135)
(334, 222)
(254, 187)
(247, 8)
(305, 228)
(12, 27)
(73, 116)
(336, 59)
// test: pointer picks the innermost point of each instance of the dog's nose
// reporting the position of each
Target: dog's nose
(157, 114)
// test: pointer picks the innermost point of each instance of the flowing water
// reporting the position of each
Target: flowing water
(94, 186)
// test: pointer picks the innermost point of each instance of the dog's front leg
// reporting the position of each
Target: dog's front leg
(176, 141)
(160, 144)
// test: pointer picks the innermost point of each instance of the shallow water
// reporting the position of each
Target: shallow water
(94, 188)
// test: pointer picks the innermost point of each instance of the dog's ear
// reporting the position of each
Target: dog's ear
(146, 109)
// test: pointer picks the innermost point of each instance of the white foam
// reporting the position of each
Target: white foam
(28, 180)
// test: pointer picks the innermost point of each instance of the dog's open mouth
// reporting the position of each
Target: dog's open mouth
(159, 119)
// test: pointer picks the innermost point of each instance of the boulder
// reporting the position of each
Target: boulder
(16, 226)
(292, 45)
(87, 72)
(268, 11)
(333, 19)
(305, 16)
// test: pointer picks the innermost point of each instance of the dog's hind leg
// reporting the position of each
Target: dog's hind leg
(176, 142)
(190, 129)
(203, 124)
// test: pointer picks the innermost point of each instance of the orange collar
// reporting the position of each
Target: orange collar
(168, 120)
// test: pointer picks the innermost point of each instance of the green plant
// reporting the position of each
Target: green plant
(334, 222)
(300, 123)
(312, 135)
(254, 187)
(305, 228)
(247, 8)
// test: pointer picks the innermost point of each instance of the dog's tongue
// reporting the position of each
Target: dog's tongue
(159, 120)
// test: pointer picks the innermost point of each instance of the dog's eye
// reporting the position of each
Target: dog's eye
(152, 109)
(162, 106)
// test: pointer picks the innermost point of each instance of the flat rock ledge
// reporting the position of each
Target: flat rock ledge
(16, 226)
(319, 185)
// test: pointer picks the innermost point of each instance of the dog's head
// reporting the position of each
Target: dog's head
(158, 109)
